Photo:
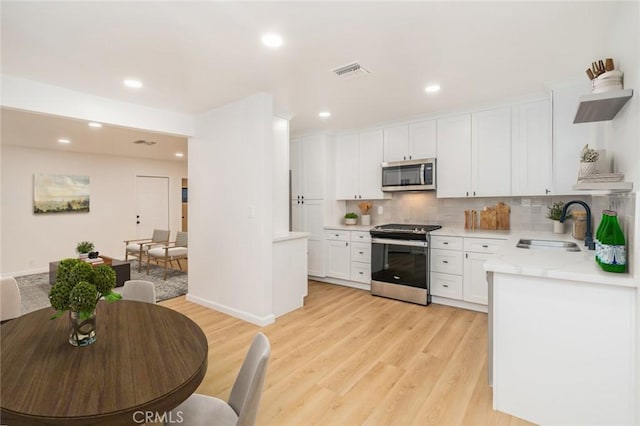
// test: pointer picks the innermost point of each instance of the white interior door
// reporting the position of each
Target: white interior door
(152, 204)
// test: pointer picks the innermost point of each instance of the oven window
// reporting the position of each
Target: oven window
(398, 264)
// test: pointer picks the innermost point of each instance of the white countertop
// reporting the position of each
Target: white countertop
(476, 233)
(290, 236)
(350, 227)
(558, 264)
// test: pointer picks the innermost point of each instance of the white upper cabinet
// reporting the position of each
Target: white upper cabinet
(531, 149)
(370, 175)
(474, 154)
(491, 153)
(569, 138)
(347, 166)
(410, 142)
(454, 156)
(396, 143)
(307, 160)
(422, 139)
(358, 171)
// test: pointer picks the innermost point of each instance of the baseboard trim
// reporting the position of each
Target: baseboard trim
(243, 315)
(23, 273)
(352, 284)
(459, 304)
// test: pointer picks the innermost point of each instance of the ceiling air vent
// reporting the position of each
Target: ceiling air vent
(351, 70)
(143, 142)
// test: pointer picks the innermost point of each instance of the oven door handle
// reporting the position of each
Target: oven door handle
(412, 243)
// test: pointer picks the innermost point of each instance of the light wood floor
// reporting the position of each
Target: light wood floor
(349, 358)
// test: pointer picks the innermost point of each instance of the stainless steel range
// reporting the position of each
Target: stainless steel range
(400, 262)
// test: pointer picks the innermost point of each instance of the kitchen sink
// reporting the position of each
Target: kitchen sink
(548, 245)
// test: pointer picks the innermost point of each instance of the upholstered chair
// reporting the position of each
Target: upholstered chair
(242, 408)
(139, 290)
(168, 253)
(138, 248)
(10, 299)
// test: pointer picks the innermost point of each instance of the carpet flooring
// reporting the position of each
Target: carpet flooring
(34, 289)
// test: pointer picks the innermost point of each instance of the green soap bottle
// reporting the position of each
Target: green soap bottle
(613, 254)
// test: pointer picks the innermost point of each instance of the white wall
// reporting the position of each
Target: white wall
(29, 242)
(624, 136)
(281, 201)
(231, 208)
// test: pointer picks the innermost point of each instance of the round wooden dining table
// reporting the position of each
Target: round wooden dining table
(147, 359)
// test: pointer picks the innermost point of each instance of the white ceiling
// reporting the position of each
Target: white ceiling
(195, 56)
(32, 130)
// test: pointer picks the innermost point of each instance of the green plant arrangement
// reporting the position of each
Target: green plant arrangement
(78, 288)
(84, 247)
(351, 215)
(555, 211)
(588, 155)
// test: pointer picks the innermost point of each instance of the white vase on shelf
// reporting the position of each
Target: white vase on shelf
(558, 227)
(587, 169)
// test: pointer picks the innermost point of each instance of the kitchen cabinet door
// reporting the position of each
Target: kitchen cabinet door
(531, 154)
(396, 143)
(422, 140)
(569, 138)
(475, 288)
(295, 165)
(370, 170)
(307, 216)
(347, 166)
(491, 153)
(313, 160)
(454, 156)
(338, 259)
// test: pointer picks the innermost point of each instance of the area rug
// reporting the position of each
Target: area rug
(34, 289)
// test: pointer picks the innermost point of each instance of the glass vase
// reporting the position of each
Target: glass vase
(82, 331)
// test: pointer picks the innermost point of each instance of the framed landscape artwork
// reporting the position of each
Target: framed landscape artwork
(60, 194)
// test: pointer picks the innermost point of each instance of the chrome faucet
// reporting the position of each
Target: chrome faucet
(588, 238)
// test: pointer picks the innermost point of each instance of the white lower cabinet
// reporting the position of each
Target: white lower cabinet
(457, 270)
(348, 255)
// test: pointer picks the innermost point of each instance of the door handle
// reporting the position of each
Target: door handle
(137, 222)
(445, 261)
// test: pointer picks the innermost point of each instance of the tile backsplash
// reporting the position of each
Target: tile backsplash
(527, 213)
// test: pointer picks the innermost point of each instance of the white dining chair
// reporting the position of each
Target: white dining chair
(139, 290)
(10, 299)
(242, 408)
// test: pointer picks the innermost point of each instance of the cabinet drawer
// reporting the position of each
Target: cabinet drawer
(446, 261)
(482, 245)
(362, 236)
(336, 234)
(446, 285)
(446, 243)
(361, 272)
(361, 252)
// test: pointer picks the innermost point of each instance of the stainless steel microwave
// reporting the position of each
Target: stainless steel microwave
(412, 175)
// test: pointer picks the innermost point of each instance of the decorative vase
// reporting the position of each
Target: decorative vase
(558, 227)
(587, 169)
(365, 220)
(350, 221)
(82, 331)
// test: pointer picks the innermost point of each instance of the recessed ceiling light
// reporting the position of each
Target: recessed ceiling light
(134, 84)
(324, 114)
(432, 88)
(272, 40)
(64, 141)
(179, 154)
(94, 124)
